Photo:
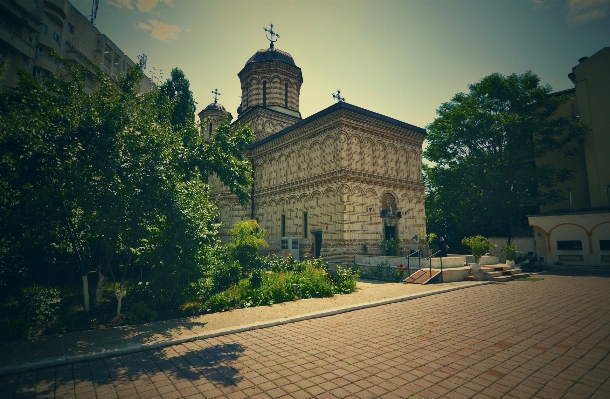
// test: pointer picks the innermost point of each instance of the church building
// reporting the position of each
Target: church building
(327, 185)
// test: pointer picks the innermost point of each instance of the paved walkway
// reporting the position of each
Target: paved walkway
(547, 339)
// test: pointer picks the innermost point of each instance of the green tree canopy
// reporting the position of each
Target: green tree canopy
(104, 177)
(484, 144)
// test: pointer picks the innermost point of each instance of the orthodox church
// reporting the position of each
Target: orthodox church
(334, 184)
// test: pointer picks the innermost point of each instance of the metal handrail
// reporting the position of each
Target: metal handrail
(409, 261)
(430, 259)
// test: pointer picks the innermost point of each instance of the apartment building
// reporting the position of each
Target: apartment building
(29, 29)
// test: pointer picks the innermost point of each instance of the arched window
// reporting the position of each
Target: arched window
(286, 95)
(264, 94)
(210, 129)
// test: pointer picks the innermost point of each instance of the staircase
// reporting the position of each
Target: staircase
(502, 273)
(422, 276)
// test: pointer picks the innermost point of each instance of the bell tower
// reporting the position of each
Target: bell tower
(271, 86)
(216, 113)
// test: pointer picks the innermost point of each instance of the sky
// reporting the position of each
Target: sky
(402, 59)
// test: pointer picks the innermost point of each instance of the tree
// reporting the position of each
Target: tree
(176, 89)
(246, 238)
(104, 179)
(484, 144)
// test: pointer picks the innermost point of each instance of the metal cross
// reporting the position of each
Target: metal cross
(272, 34)
(216, 94)
(337, 96)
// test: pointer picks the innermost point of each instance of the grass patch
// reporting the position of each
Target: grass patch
(528, 279)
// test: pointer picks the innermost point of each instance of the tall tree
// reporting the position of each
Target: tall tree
(111, 178)
(177, 90)
(484, 144)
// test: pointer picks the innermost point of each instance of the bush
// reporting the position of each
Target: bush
(510, 250)
(38, 306)
(224, 275)
(256, 277)
(246, 238)
(346, 280)
(390, 247)
(479, 245)
(140, 313)
(314, 281)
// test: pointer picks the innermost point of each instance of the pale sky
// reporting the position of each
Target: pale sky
(402, 59)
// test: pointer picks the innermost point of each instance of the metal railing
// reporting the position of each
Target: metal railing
(409, 261)
(429, 258)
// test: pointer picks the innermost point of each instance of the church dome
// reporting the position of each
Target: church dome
(271, 54)
(214, 106)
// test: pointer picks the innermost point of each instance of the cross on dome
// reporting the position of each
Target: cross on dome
(216, 94)
(272, 34)
(337, 96)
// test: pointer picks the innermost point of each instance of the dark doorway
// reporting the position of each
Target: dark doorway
(317, 243)
(389, 232)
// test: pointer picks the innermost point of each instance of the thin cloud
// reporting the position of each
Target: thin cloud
(143, 26)
(582, 11)
(121, 4)
(544, 3)
(149, 5)
(160, 30)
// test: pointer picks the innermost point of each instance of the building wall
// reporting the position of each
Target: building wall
(336, 169)
(592, 81)
(577, 164)
(588, 228)
(30, 29)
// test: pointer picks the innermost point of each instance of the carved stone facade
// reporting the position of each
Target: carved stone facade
(340, 179)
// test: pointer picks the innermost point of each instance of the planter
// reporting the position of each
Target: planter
(510, 262)
(475, 267)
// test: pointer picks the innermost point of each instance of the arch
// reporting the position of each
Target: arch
(329, 192)
(344, 189)
(562, 224)
(315, 195)
(599, 224)
(388, 202)
(370, 193)
(358, 191)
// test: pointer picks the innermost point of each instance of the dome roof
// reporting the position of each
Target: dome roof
(214, 106)
(271, 54)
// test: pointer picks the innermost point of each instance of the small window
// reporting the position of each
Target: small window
(70, 28)
(39, 51)
(264, 94)
(573, 245)
(43, 29)
(284, 243)
(295, 243)
(304, 224)
(56, 37)
(286, 95)
(37, 72)
(283, 226)
(210, 129)
(604, 245)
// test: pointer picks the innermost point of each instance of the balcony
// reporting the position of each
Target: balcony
(45, 63)
(47, 41)
(17, 43)
(60, 7)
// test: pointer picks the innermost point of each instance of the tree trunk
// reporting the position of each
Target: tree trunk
(119, 298)
(100, 287)
(86, 292)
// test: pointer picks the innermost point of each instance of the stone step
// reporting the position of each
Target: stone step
(510, 277)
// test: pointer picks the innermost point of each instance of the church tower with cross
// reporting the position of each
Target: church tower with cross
(216, 113)
(270, 84)
(325, 185)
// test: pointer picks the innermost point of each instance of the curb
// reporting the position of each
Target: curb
(71, 359)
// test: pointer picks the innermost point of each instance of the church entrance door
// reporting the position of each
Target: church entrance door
(317, 243)
(390, 232)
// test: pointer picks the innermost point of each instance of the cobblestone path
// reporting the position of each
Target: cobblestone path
(522, 339)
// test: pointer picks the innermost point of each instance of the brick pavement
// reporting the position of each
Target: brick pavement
(544, 339)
